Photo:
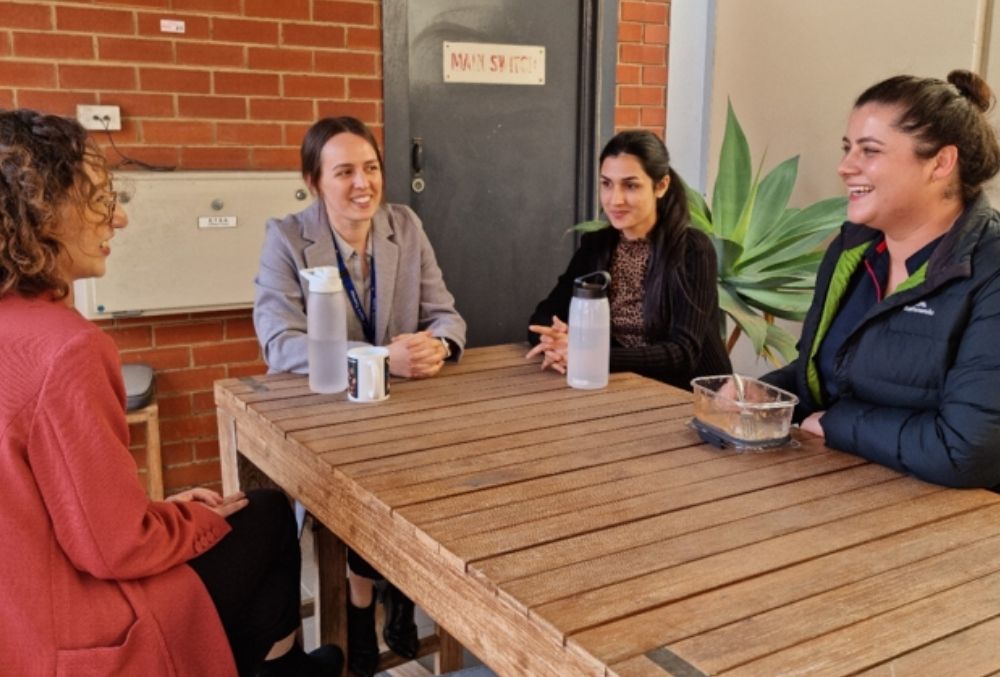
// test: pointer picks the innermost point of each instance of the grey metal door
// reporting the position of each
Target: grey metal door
(506, 169)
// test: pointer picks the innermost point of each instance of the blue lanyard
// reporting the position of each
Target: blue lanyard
(367, 323)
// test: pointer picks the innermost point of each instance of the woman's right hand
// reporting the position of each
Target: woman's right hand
(553, 344)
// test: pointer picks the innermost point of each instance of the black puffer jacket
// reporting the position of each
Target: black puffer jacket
(919, 376)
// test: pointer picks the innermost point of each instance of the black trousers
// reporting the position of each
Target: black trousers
(253, 577)
(361, 567)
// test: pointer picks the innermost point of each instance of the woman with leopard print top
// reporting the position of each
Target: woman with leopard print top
(664, 304)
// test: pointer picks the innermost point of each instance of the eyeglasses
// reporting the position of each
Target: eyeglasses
(110, 202)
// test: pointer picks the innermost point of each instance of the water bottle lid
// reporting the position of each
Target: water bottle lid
(596, 288)
(323, 279)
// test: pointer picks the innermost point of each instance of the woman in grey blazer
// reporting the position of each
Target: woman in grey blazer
(399, 301)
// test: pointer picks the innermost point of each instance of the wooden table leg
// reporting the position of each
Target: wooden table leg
(449, 656)
(331, 598)
(227, 452)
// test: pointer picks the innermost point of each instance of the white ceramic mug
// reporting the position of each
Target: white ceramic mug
(368, 374)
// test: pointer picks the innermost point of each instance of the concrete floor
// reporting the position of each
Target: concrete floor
(422, 667)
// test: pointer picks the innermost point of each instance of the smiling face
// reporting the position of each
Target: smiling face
(628, 195)
(87, 223)
(889, 186)
(350, 182)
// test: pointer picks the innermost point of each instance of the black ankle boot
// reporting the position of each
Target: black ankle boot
(400, 632)
(362, 642)
(326, 661)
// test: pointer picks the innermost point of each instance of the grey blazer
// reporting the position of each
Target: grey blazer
(411, 295)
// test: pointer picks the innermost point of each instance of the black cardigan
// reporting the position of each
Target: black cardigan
(691, 347)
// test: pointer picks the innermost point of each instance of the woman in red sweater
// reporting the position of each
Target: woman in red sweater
(95, 579)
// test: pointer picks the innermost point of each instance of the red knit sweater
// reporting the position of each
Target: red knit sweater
(93, 579)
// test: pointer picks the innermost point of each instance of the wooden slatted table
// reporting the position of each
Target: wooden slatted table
(562, 532)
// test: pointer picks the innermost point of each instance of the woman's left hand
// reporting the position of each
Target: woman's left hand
(553, 344)
(417, 355)
(812, 426)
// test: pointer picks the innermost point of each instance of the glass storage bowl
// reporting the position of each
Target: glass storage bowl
(758, 421)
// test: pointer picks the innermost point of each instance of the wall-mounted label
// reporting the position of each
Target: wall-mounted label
(494, 64)
(171, 26)
(216, 221)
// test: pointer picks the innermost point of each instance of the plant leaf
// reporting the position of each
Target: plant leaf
(772, 198)
(738, 233)
(701, 218)
(732, 184)
(727, 253)
(696, 202)
(791, 248)
(825, 215)
(804, 265)
(764, 281)
(781, 340)
(701, 222)
(752, 324)
(787, 303)
(590, 226)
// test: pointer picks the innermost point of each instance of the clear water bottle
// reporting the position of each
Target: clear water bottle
(589, 358)
(326, 327)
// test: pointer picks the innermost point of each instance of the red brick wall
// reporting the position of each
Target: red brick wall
(641, 97)
(236, 91)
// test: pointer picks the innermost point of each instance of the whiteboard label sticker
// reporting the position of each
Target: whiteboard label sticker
(171, 26)
(216, 221)
(492, 64)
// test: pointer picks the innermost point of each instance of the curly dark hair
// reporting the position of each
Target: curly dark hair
(43, 162)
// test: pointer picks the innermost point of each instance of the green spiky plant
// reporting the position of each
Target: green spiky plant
(767, 252)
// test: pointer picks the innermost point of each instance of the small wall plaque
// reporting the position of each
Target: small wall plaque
(216, 221)
(485, 63)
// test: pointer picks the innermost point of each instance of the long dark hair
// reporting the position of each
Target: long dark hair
(938, 113)
(667, 239)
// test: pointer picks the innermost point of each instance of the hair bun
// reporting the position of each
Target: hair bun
(973, 88)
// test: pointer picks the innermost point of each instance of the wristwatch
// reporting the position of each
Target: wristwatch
(447, 346)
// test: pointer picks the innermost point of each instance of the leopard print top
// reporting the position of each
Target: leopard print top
(628, 270)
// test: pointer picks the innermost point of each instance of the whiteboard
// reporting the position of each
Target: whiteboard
(192, 244)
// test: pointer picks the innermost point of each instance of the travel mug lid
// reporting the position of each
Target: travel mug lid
(323, 279)
(595, 288)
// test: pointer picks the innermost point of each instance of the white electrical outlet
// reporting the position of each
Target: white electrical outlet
(99, 118)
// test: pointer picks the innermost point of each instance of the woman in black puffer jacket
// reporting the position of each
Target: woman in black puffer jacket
(900, 351)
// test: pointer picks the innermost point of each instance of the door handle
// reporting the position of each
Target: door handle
(417, 155)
